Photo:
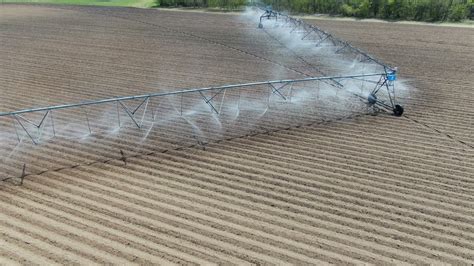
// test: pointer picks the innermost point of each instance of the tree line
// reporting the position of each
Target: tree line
(419, 10)
(224, 4)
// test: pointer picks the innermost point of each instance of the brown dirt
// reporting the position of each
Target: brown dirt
(370, 189)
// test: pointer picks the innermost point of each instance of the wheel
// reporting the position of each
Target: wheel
(398, 110)
(372, 99)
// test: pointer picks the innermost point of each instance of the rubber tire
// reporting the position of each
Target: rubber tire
(372, 99)
(398, 110)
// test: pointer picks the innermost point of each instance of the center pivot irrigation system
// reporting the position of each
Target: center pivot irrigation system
(321, 38)
(383, 80)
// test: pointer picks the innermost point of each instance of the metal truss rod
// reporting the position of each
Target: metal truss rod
(39, 127)
(336, 85)
(209, 102)
(129, 114)
(277, 91)
(327, 35)
(186, 91)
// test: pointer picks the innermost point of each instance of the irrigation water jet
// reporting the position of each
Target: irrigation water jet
(327, 72)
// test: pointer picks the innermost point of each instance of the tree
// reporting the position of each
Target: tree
(423, 10)
(375, 7)
(458, 12)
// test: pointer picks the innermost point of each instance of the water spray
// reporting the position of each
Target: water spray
(343, 69)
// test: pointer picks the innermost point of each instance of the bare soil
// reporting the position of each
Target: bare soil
(365, 189)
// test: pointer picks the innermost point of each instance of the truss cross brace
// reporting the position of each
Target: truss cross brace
(22, 121)
(307, 34)
(277, 91)
(342, 48)
(132, 113)
(208, 101)
(322, 40)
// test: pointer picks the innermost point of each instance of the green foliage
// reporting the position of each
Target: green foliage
(421, 10)
(348, 10)
(458, 12)
(364, 9)
(356, 8)
(224, 4)
(470, 7)
(129, 3)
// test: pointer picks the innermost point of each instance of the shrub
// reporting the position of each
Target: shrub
(364, 9)
(458, 12)
(348, 10)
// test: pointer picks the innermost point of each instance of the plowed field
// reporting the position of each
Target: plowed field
(361, 189)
